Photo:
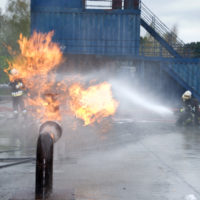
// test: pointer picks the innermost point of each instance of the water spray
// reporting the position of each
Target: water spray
(136, 98)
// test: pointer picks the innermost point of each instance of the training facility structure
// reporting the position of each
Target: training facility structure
(108, 31)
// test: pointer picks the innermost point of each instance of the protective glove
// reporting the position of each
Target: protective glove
(182, 109)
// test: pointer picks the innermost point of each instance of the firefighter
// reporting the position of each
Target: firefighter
(17, 93)
(190, 107)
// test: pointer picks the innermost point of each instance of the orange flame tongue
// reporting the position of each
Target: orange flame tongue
(92, 104)
(38, 57)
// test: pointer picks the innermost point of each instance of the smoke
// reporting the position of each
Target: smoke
(134, 100)
(134, 105)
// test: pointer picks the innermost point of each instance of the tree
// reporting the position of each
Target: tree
(152, 47)
(171, 37)
(16, 20)
(193, 48)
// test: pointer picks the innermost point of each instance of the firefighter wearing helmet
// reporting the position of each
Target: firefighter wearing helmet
(190, 106)
(17, 92)
(187, 95)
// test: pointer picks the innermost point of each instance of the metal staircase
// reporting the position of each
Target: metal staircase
(186, 74)
(185, 70)
(164, 43)
(166, 37)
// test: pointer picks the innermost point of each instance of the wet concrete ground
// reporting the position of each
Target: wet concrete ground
(145, 158)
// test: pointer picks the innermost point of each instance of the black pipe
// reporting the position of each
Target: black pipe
(53, 128)
(16, 163)
(50, 132)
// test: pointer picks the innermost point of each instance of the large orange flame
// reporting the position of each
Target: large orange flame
(38, 57)
(92, 104)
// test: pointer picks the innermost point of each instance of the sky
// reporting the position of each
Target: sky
(3, 4)
(184, 14)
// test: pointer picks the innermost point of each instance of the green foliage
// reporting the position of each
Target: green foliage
(16, 21)
(150, 47)
(3, 75)
(13, 22)
(194, 47)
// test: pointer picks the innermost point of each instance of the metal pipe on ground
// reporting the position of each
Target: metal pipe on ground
(50, 132)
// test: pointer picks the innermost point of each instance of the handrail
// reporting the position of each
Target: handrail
(160, 27)
(152, 20)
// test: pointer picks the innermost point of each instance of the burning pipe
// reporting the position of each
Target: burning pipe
(50, 132)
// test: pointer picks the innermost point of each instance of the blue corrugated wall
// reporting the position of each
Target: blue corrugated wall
(84, 31)
(57, 3)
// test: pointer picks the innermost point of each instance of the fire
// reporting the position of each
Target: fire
(46, 108)
(38, 57)
(36, 65)
(92, 104)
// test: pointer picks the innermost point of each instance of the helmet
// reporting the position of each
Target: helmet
(14, 71)
(187, 95)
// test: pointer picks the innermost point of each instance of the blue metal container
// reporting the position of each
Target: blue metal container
(57, 3)
(87, 31)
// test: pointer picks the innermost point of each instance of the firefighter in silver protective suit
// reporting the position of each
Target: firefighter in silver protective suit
(17, 92)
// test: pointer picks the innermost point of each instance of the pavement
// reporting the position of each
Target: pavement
(140, 157)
